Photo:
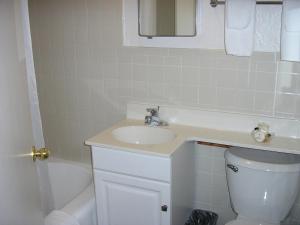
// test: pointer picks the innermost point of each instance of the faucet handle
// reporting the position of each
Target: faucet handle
(153, 111)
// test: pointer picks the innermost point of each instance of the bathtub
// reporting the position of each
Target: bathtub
(67, 192)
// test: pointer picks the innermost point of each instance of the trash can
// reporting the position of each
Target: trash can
(202, 217)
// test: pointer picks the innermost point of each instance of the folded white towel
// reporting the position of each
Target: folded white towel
(290, 30)
(57, 217)
(239, 27)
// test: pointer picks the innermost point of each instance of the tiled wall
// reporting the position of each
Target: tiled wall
(86, 77)
(211, 186)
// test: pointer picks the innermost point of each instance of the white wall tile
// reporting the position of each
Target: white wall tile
(265, 81)
(173, 93)
(263, 103)
(189, 95)
(155, 60)
(286, 103)
(288, 83)
(190, 75)
(245, 100)
(172, 60)
(207, 96)
(155, 74)
(226, 98)
(226, 78)
(173, 75)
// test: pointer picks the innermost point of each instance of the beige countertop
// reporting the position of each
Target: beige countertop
(189, 133)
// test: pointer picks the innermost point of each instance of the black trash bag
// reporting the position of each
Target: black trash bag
(202, 217)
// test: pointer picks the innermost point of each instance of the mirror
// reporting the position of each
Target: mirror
(167, 18)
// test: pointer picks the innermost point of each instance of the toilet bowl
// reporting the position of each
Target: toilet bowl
(263, 185)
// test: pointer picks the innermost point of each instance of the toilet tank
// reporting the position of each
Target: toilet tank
(263, 185)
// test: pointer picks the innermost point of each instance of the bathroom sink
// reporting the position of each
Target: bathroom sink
(143, 135)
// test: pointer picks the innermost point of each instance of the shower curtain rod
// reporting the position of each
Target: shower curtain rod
(215, 3)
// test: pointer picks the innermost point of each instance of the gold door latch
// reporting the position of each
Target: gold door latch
(40, 154)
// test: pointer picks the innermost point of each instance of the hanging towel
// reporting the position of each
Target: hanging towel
(57, 217)
(290, 30)
(239, 27)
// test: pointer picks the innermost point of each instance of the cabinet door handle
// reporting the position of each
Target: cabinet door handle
(164, 208)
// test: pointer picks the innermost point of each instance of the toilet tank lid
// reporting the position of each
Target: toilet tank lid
(263, 160)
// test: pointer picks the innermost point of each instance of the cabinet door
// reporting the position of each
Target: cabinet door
(126, 200)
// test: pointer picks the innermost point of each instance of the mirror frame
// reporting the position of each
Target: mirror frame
(152, 36)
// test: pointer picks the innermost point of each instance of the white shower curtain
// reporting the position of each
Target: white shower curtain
(31, 80)
(37, 128)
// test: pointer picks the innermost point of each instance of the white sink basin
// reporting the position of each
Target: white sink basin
(143, 135)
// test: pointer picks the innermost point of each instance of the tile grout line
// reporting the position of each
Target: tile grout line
(275, 91)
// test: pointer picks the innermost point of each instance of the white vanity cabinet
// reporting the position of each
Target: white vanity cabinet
(131, 188)
(129, 200)
(140, 189)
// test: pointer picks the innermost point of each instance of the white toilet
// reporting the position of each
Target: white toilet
(263, 185)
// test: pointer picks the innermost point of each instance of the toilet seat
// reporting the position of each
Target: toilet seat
(244, 222)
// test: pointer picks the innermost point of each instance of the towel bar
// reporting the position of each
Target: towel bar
(215, 3)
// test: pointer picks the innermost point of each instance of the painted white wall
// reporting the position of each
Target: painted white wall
(210, 28)
(20, 202)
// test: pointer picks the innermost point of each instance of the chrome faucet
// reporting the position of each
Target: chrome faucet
(153, 119)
